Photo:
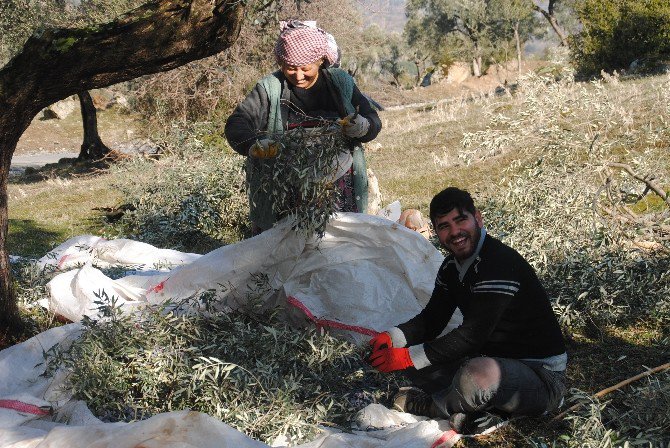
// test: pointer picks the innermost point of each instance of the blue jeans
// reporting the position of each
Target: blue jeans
(517, 388)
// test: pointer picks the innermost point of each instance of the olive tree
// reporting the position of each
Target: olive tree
(58, 62)
(469, 28)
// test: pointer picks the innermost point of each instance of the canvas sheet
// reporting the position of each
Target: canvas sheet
(365, 275)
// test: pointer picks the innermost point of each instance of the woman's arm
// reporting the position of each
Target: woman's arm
(248, 122)
(365, 109)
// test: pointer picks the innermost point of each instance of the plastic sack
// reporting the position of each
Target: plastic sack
(366, 275)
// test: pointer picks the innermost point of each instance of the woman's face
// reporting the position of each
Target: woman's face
(303, 76)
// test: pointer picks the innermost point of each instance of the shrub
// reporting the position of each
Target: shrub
(192, 198)
(617, 32)
(250, 370)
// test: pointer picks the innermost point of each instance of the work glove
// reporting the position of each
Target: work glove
(382, 340)
(264, 149)
(354, 125)
(391, 359)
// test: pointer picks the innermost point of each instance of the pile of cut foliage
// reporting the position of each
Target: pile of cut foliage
(249, 369)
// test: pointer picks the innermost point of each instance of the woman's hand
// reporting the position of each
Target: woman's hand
(355, 125)
(264, 149)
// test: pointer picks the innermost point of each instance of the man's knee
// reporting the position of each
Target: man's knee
(480, 373)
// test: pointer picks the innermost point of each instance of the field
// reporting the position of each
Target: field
(570, 174)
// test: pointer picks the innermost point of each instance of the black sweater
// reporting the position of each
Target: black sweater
(506, 312)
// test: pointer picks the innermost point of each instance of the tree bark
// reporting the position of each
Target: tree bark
(57, 63)
(517, 40)
(551, 18)
(92, 147)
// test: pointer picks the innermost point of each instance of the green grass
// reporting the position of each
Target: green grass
(45, 213)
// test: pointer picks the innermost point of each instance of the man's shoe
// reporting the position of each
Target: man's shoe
(477, 423)
(415, 401)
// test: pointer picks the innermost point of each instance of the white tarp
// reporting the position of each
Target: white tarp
(366, 275)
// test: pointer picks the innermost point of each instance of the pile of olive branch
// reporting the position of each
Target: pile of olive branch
(301, 183)
(250, 370)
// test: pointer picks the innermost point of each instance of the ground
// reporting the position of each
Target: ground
(46, 141)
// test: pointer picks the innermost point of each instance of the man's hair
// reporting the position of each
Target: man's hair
(449, 199)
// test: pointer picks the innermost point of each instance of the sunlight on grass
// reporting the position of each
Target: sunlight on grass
(46, 213)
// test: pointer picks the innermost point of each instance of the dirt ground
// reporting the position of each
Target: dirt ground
(45, 141)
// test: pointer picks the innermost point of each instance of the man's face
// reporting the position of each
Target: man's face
(459, 232)
(302, 76)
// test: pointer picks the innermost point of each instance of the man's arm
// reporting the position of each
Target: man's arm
(430, 322)
(468, 339)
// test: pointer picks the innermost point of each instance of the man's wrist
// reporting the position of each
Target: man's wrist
(397, 337)
(418, 356)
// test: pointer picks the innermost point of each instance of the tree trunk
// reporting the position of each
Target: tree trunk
(92, 147)
(551, 18)
(517, 40)
(477, 66)
(57, 63)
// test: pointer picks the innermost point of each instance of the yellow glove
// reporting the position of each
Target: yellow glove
(354, 125)
(264, 149)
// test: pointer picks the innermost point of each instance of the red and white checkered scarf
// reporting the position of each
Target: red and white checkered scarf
(303, 45)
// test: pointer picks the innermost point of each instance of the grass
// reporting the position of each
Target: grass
(43, 214)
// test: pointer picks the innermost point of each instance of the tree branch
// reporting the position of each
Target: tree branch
(617, 386)
(646, 180)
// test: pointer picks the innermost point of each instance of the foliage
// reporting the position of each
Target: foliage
(641, 419)
(470, 29)
(569, 159)
(194, 199)
(617, 32)
(392, 64)
(250, 370)
(301, 180)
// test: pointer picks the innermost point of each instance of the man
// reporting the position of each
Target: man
(507, 357)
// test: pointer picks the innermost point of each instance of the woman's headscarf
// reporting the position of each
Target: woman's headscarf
(302, 43)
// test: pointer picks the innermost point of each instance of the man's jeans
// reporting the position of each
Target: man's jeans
(525, 388)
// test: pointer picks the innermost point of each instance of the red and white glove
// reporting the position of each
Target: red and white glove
(382, 340)
(391, 359)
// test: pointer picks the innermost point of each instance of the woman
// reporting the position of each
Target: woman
(306, 91)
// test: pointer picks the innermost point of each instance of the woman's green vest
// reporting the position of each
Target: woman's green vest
(260, 201)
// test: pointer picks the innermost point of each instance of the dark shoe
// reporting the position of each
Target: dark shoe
(477, 423)
(417, 402)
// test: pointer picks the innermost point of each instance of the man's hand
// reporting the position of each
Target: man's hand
(354, 125)
(382, 340)
(264, 149)
(390, 359)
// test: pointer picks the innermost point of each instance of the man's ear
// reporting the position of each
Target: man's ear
(478, 218)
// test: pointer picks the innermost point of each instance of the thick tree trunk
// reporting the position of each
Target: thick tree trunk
(92, 147)
(57, 63)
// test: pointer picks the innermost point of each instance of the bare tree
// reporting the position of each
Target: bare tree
(57, 63)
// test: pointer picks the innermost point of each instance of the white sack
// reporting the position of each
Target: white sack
(366, 275)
